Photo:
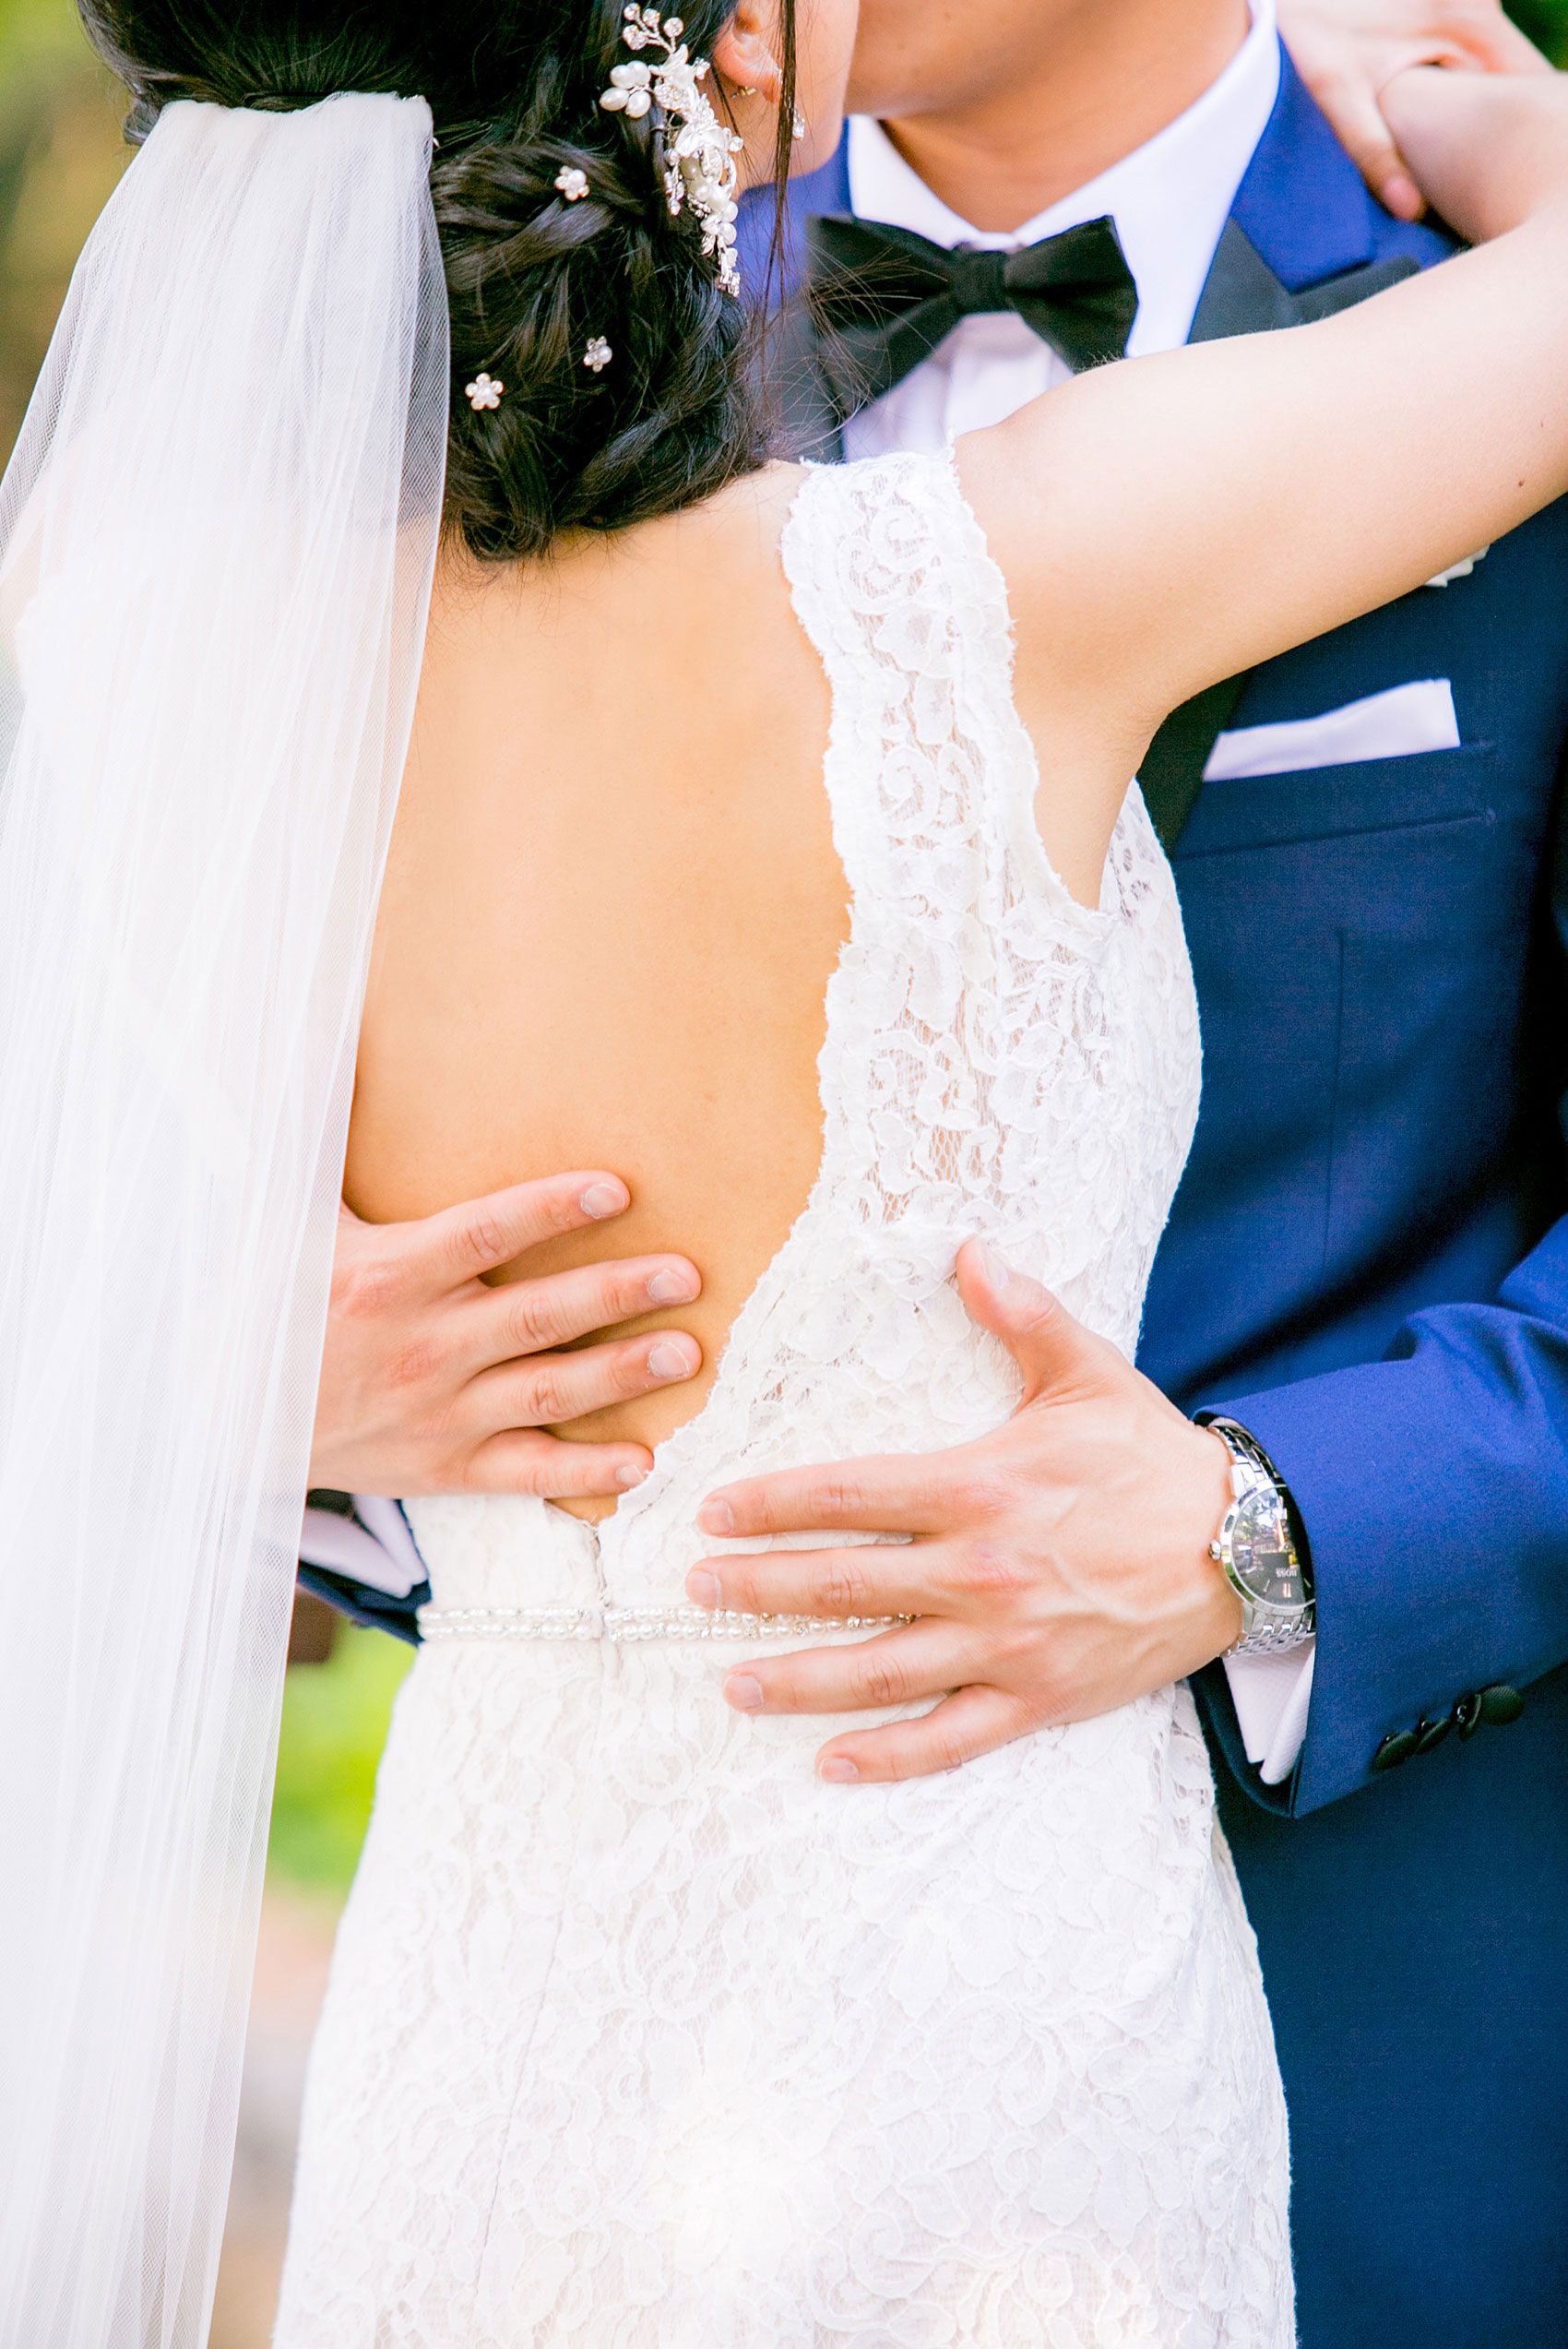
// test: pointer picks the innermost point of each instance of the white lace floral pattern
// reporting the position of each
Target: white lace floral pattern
(639, 2036)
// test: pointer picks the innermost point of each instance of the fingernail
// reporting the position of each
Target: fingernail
(1403, 197)
(715, 1517)
(839, 1771)
(667, 1361)
(672, 1288)
(604, 1199)
(743, 1692)
(702, 1588)
(997, 1271)
(629, 1476)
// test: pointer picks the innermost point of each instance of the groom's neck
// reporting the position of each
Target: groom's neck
(1005, 106)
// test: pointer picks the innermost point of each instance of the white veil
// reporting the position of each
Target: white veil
(216, 546)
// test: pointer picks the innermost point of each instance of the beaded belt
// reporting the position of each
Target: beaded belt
(624, 1625)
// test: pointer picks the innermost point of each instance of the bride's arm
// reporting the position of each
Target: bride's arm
(1172, 520)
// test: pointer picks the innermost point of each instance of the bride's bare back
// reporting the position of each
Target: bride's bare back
(612, 907)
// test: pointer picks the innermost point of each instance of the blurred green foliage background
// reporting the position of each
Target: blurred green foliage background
(335, 1719)
(60, 155)
(1546, 22)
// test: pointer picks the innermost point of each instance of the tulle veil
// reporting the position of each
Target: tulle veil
(217, 539)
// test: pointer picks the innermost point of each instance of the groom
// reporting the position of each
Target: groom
(1364, 1265)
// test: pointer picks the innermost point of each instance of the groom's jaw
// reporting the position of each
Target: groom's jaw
(1004, 106)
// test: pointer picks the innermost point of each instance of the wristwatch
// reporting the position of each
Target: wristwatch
(1261, 1548)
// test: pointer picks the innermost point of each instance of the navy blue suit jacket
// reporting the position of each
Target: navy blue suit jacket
(1366, 1263)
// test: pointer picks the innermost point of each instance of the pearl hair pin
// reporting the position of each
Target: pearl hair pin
(572, 183)
(484, 392)
(598, 355)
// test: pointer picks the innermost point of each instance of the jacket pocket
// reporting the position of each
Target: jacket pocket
(1371, 795)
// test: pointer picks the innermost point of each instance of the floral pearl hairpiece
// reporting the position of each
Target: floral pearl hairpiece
(699, 158)
(483, 392)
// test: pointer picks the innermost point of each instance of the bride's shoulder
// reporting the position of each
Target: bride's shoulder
(839, 496)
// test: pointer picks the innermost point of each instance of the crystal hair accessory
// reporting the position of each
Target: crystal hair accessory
(598, 355)
(483, 392)
(699, 153)
(572, 183)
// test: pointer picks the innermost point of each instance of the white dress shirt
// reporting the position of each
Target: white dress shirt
(1169, 200)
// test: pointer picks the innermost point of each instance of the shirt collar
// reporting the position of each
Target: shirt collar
(1170, 198)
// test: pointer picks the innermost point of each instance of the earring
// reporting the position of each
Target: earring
(798, 127)
(749, 92)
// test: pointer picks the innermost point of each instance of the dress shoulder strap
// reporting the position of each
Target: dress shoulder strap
(907, 612)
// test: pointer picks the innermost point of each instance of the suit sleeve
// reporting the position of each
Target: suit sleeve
(357, 1553)
(1434, 1487)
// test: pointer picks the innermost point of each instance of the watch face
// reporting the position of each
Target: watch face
(1263, 1554)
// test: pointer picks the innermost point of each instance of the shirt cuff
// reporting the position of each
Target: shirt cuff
(374, 1546)
(1271, 1694)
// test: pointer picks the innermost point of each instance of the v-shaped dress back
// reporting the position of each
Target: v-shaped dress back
(638, 2035)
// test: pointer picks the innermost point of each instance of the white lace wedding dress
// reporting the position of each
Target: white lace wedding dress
(638, 2035)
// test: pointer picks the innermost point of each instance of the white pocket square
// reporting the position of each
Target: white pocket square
(1458, 570)
(1396, 724)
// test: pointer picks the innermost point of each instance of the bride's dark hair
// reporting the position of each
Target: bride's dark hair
(514, 87)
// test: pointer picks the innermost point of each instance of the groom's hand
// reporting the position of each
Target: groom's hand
(1059, 1566)
(1347, 51)
(434, 1381)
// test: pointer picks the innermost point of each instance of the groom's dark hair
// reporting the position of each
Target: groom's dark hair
(514, 87)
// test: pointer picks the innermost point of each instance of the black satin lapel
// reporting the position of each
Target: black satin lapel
(1172, 770)
(1241, 294)
(1357, 285)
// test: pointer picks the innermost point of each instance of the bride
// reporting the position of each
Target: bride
(771, 829)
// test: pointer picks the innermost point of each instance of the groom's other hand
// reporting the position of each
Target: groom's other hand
(1059, 1566)
(434, 1381)
(1347, 51)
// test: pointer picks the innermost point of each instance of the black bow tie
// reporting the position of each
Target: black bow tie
(883, 298)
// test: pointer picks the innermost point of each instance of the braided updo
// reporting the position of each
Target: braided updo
(514, 87)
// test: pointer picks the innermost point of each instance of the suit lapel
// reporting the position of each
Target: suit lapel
(1241, 295)
(1245, 295)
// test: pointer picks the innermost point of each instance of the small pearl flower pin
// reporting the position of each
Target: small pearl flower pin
(572, 183)
(484, 392)
(598, 355)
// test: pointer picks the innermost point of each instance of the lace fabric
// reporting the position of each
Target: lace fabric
(638, 2035)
